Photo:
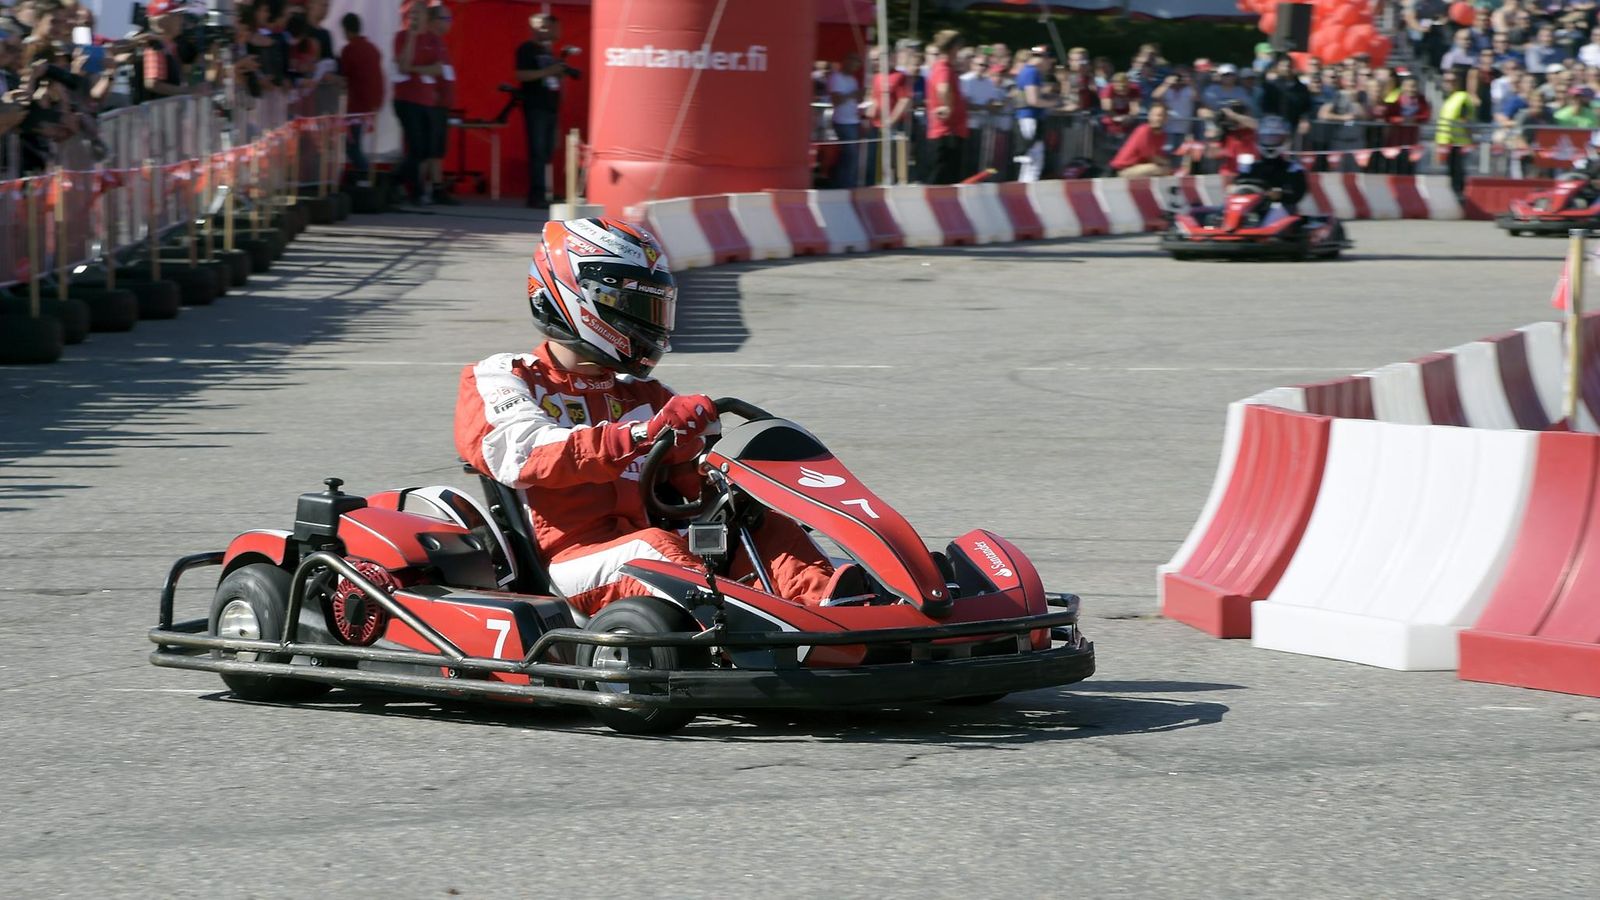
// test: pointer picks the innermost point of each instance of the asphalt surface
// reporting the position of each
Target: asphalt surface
(1068, 395)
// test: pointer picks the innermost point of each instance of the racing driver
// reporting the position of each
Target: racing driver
(568, 424)
(1284, 179)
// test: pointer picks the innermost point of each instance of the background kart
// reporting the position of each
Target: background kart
(425, 590)
(1250, 225)
(1557, 210)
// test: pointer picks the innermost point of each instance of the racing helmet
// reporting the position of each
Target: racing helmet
(1272, 137)
(602, 288)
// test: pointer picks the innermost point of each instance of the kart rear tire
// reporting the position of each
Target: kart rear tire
(264, 589)
(642, 615)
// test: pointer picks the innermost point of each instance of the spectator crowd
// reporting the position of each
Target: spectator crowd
(60, 71)
(1492, 74)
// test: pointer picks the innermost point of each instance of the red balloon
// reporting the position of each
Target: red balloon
(1324, 44)
(1269, 21)
(1344, 15)
(1360, 36)
(1461, 12)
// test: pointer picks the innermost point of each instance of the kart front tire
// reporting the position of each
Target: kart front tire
(641, 615)
(978, 700)
(262, 589)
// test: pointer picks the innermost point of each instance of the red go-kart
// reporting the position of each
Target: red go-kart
(1250, 224)
(425, 590)
(1565, 206)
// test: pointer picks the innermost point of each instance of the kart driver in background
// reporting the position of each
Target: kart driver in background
(1284, 179)
(1589, 169)
(568, 424)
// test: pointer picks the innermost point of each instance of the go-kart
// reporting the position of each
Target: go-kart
(424, 590)
(1555, 211)
(1251, 224)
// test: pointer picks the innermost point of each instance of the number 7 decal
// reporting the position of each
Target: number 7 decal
(503, 626)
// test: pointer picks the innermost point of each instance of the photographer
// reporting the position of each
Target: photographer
(540, 72)
(1233, 130)
(163, 66)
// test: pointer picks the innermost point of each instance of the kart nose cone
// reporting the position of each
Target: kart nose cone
(238, 620)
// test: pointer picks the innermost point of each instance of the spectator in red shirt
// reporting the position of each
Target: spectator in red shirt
(1144, 153)
(947, 111)
(418, 63)
(362, 68)
(439, 20)
(1236, 136)
(899, 89)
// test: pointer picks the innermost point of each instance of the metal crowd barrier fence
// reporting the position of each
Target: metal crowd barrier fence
(167, 166)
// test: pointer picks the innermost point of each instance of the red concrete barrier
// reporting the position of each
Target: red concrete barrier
(1358, 197)
(1342, 398)
(1080, 193)
(1440, 390)
(800, 222)
(952, 219)
(873, 209)
(1511, 353)
(1025, 223)
(1271, 490)
(1488, 197)
(728, 243)
(1318, 195)
(1409, 196)
(1143, 191)
(1541, 628)
(1190, 185)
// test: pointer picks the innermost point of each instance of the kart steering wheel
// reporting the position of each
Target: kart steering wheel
(652, 471)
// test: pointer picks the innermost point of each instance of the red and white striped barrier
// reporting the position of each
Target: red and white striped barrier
(1274, 461)
(1411, 529)
(1541, 627)
(776, 224)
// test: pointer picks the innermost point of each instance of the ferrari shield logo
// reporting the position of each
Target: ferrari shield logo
(576, 412)
(650, 256)
(614, 408)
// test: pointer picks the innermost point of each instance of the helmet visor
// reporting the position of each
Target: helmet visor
(644, 302)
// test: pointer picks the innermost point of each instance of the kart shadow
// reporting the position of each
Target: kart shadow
(1086, 711)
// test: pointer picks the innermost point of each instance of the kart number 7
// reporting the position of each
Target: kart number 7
(502, 627)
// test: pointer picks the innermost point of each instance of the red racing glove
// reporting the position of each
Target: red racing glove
(689, 414)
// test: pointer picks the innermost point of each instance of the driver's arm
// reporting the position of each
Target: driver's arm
(1293, 185)
(503, 432)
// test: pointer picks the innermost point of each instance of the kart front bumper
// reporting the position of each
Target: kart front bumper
(1263, 248)
(1511, 222)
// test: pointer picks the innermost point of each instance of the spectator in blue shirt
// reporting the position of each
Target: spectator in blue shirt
(1544, 51)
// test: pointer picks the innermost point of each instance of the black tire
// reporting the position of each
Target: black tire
(259, 253)
(342, 206)
(73, 314)
(214, 271)
(321, 210)
(365, 200)
(157, 299)
(264, 588)
(197, 288)
(109, 310)
(978, 700)
(238, 264)
(643, 615)
(24, 339)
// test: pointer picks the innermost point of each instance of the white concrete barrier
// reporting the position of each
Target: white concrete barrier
(1411, 529)
(675, 226)
(1441, 200)
(1397, 394)
(981, 202)
(1483, 394)
(1381, 201)
(908, 203)
(1116, 200)
(838, 216)
(1055, 211)
(763, 230)
(1332, 184)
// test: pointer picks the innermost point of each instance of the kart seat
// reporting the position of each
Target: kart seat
(506, 507)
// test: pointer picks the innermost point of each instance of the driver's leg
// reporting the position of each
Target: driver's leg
(800, 571)
(591, 576)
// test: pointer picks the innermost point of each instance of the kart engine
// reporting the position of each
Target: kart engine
(356, 619)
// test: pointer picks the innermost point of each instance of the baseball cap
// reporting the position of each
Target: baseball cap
(162, 7)
(1553, 68)
(1263, 48)
(1227, 69)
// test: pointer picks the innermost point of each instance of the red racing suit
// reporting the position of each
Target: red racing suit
(553, 434)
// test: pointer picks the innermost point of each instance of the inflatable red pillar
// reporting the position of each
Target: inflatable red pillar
(687, 102)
